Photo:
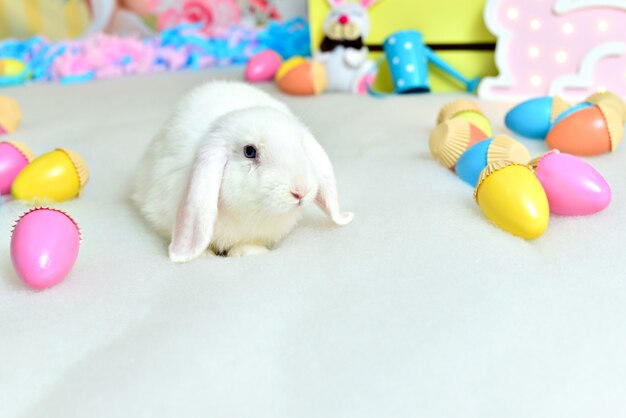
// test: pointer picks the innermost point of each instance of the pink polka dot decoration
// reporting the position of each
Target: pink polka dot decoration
(569, 48)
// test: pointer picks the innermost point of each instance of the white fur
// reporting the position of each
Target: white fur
(195, 186)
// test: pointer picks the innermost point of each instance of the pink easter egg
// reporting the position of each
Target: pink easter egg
(573, 187)
(13, 158)
(263, 66)
(44, 247)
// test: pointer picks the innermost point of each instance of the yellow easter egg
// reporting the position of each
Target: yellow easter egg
(289, 65)
(58, 175)
(10, 115)
(11, 67)
(513, 199)
(477, 119)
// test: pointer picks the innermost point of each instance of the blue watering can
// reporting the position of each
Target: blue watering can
(408, 57)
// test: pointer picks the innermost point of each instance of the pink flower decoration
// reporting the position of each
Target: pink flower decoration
(197, 11)
(168, 19)
(263, 6)
(216, 16)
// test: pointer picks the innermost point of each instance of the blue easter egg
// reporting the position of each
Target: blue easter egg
(472, 162)
(531, 118)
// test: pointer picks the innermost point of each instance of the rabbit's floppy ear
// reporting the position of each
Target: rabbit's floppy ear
(197, 210)
(326, 198)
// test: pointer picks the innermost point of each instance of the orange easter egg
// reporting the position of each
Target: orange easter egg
(304, 79)
(476, 135)
(590, 131)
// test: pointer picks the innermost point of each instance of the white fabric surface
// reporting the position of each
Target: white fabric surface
(419, 308)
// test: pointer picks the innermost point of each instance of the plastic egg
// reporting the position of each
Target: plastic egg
(300, 77)
(592, 130)
(570, 111)
(573, 187)
(512, 198)
(468, 110)
(10, 115)
(13, 71)
(533, 118)
(44, 247)
(478, 156)
(609, 99)
(11, 67)
(58, 175)
(263, 66)
(14, 156)
(449, 140)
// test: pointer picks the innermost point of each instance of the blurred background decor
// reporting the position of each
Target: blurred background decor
(64, 19)
(454, 29)
(570, 48)
(138, 37)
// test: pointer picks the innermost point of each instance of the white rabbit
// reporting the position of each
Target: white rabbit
(343, 51)
(229, 173)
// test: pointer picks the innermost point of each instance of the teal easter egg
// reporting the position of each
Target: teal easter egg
(479, 155)
(533, 118)
(472, 162)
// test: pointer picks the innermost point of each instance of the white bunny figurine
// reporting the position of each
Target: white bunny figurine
(343, 51)
(229, 173)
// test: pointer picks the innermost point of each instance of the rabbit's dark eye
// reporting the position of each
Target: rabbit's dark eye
(249, 151)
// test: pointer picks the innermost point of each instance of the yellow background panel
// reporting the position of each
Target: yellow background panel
(54, 19)
(440, 22)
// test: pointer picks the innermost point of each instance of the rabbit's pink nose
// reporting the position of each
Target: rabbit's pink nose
(343, 19)
(296, 195)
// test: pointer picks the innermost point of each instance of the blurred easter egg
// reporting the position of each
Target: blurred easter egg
(14, 156)
(512, 198)
(11, 66)
(289, 65)
(10, 115)
(477, 119)
(592, 130)
(263, 66)
(478, 156)
(468, 110)
(58, 175)
(573, 187)
(13, 71)
(533, 118)
(300, 77)
(44, 247)
(451, 138)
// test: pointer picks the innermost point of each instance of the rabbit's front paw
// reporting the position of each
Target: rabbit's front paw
(247, 249)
